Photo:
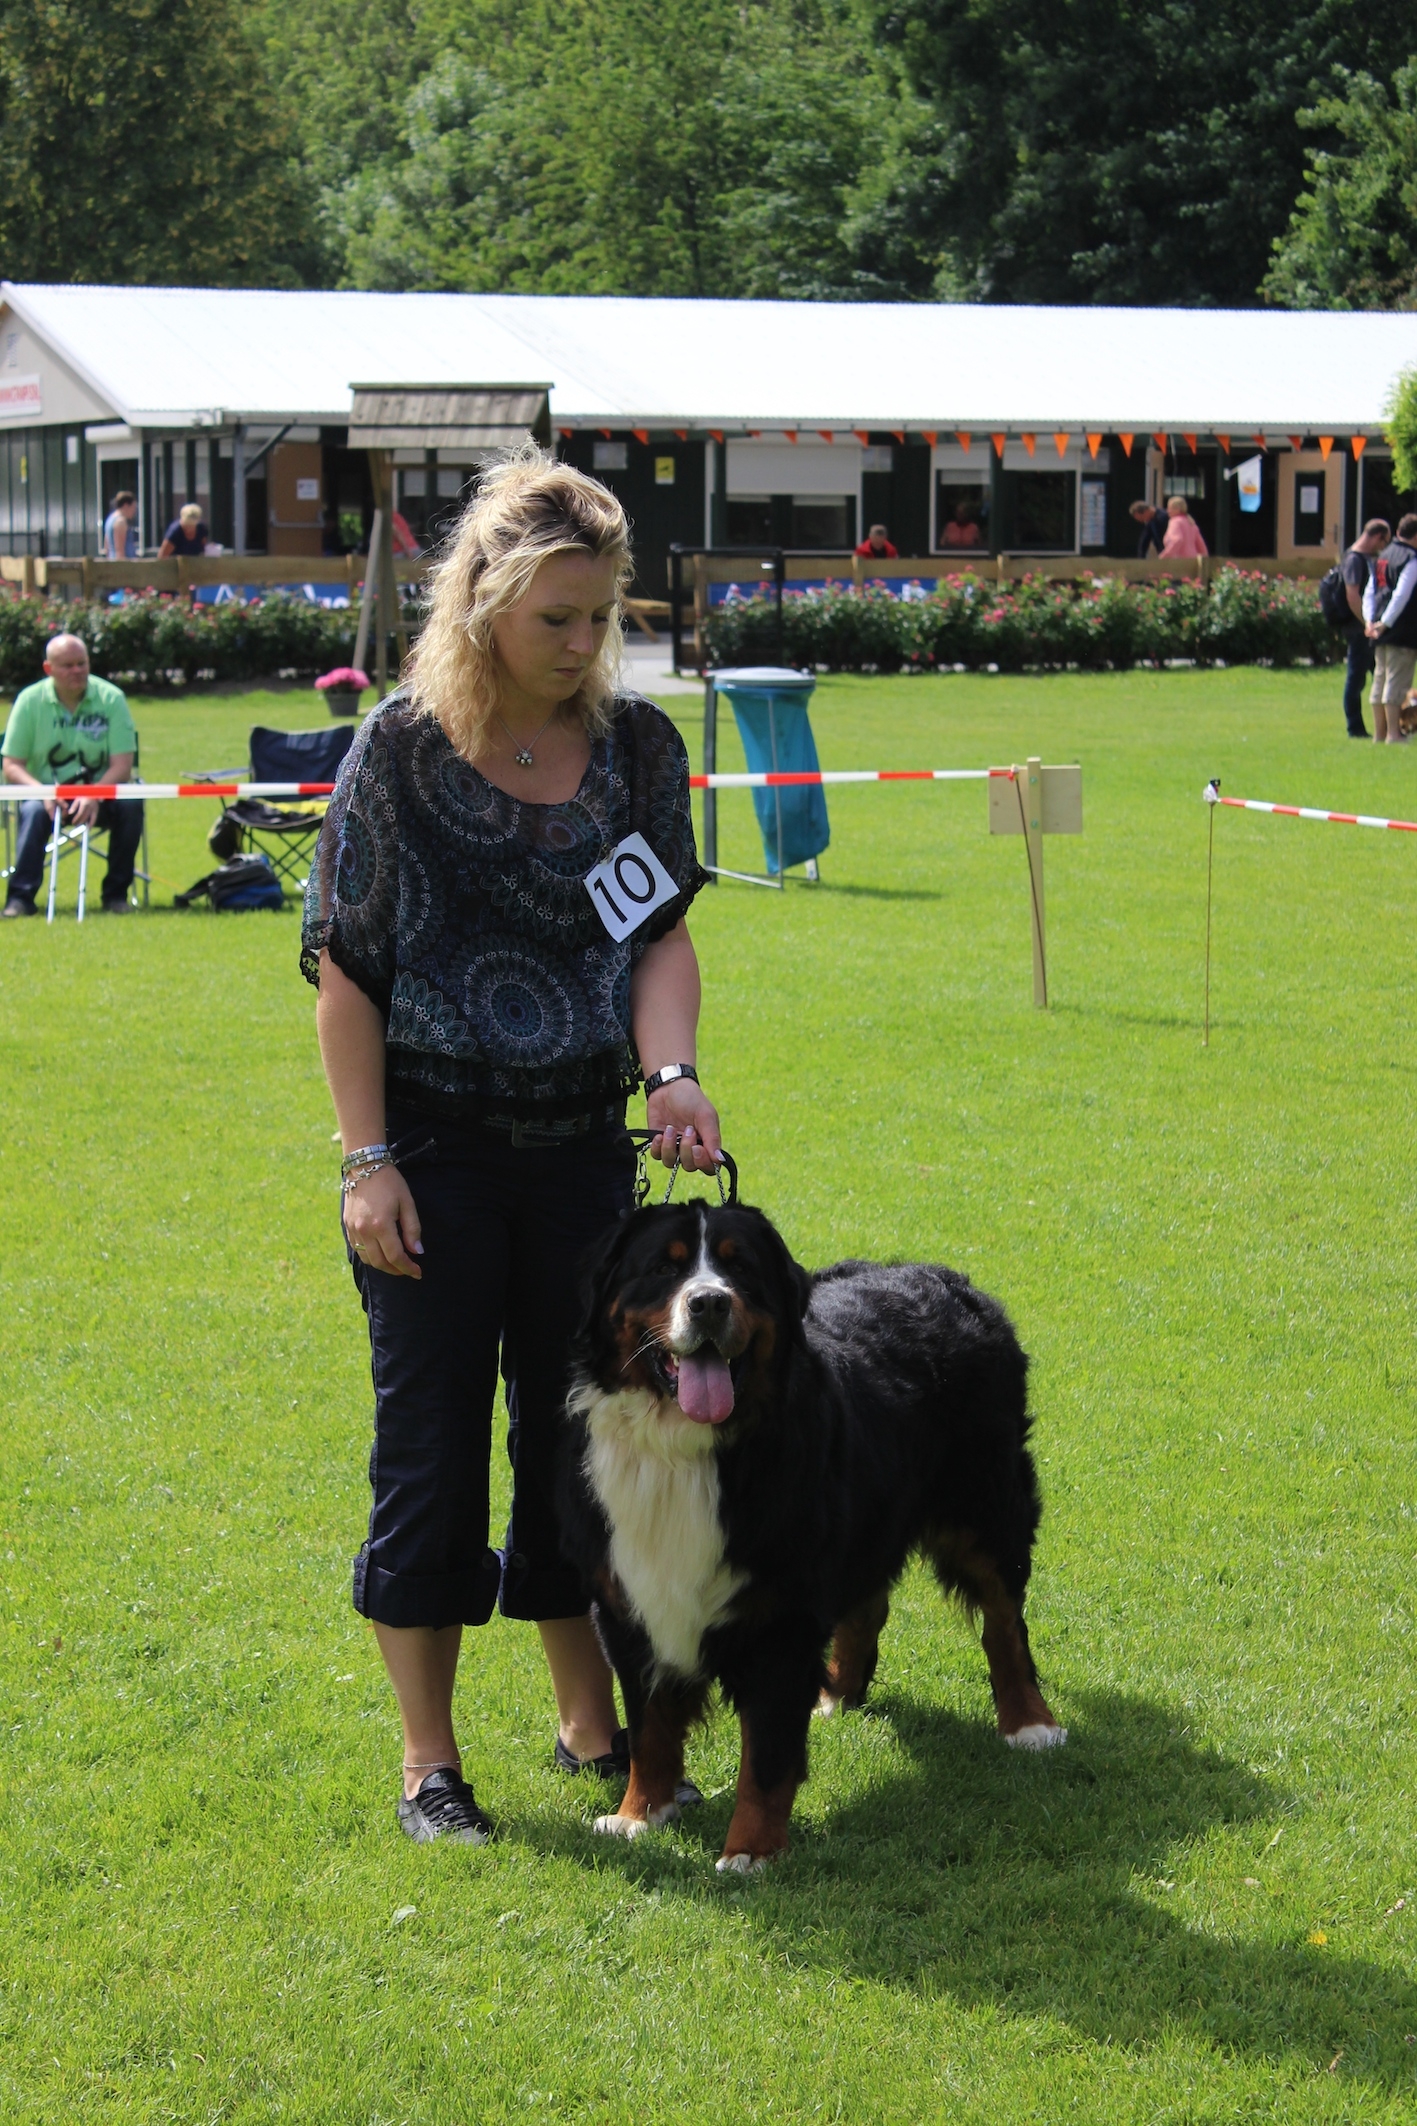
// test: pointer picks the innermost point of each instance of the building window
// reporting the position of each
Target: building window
(961, 514)
(1189, 484)
(610, 457)
(1043, 511)
(877, 457)
(1093, 526)
(823, 520)
(749, 520)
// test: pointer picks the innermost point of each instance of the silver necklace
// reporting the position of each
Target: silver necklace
(521, 754)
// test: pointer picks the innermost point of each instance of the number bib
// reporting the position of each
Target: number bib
(629, 886)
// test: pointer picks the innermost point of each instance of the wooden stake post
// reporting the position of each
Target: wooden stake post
(1036, 801)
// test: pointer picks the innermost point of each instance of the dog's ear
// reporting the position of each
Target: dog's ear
(796, 1282)
(599, 1272)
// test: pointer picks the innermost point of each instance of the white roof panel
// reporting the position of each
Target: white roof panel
(161, 355)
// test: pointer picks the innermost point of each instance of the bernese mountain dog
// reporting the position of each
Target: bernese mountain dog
(753, 1455)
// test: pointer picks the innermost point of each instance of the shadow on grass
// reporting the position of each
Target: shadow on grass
(1014, 1882)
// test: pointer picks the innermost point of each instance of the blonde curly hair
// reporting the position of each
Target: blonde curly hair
(527, 507)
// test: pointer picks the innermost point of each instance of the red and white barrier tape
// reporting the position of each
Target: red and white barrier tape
(21, 793)
(787, 779)
(1337, 819)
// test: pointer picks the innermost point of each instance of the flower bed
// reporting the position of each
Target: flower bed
(156, 641)
(1242, 617)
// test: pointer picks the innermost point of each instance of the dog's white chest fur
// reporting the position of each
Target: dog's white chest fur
(656, 1476)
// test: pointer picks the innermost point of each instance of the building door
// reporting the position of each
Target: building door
(295, 498)
(1310, 508)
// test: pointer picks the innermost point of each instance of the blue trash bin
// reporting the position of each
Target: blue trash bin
(770, 709)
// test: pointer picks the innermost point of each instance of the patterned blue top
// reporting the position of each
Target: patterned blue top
(460, 910)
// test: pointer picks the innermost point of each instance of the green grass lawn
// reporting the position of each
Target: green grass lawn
(1203, 1910)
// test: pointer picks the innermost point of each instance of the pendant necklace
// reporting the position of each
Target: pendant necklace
(521, 753)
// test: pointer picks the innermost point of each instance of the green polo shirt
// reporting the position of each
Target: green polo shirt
(58, 744)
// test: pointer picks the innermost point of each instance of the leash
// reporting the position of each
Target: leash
(642, 1140)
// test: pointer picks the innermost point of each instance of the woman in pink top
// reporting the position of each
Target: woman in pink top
(1183, 534)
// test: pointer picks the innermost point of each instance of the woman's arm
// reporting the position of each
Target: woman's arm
(664, 1012)
(379, 1214)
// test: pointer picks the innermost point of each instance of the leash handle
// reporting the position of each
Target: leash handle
(642, 1140)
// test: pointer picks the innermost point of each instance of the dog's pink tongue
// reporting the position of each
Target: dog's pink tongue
(705, 1390)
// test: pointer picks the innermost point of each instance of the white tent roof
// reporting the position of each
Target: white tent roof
(163, 357)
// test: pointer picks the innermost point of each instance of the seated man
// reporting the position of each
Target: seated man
(876, 546)
(71, 727)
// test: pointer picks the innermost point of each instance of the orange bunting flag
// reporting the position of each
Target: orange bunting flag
(1162, 442)
(899, 434)
(1296, 442)
(791, 434)
(826, 435)
(1224, 442)
(998, 443)
(1359, 445)
(607, 433)
(565, 434)
(964, 439)
(1325, 446)
(1061, 441)
(931, 435)
(862, 435)
(1094, 442)
(717, 434)
(641, 435)
(1259, 439)
(1126, 442)
(1190, 443)
(755, 431)
(683, 434)
(1028, 443)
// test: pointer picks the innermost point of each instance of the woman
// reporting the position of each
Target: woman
(1183, 534)
(481, 1025)
(185, 535)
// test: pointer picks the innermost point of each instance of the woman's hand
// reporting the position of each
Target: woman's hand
(687, 1122)
(381, 1223)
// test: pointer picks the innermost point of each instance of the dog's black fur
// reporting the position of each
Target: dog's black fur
(879, 1410)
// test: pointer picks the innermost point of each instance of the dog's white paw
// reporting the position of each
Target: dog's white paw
(827, 1706)
(740, 1864)
(1040, 1736)
(636, 1826)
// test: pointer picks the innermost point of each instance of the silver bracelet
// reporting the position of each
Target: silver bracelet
(365, 1152)
(351, 1180)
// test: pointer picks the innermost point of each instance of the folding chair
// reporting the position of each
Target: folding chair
(286, 833)
(88, 841)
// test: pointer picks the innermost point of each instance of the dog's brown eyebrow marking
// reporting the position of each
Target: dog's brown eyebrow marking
(677, 1251)
(725, 1251)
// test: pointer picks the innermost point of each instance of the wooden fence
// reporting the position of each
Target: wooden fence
(91, 578)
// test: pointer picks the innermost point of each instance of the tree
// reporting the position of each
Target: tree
(1350, 243)
(1100, 151)
(659, 147)
(140, 141)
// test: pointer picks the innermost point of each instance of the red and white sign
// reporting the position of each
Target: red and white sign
(20, 397)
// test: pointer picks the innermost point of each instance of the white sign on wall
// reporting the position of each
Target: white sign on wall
(307, 490)
(21, 397)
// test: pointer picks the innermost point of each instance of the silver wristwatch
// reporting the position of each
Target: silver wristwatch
(668, 1074)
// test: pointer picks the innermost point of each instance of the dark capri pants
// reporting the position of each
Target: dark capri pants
(504, 1228)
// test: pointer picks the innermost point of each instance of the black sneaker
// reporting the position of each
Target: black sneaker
(444, 1807)
(614, 1763)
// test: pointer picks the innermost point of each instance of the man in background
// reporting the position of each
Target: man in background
(1390, 616)
(1151, 524)
(876, 546)
(1370, 541)
(120, 533)
(70, 727)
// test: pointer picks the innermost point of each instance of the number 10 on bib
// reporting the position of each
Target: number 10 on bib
(627, 888)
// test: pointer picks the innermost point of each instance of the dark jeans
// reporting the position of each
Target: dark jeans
(1360, 663)
(503, 1231)
(122, 820)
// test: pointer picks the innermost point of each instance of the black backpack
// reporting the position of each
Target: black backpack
(1333, 598)
(244, 882)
